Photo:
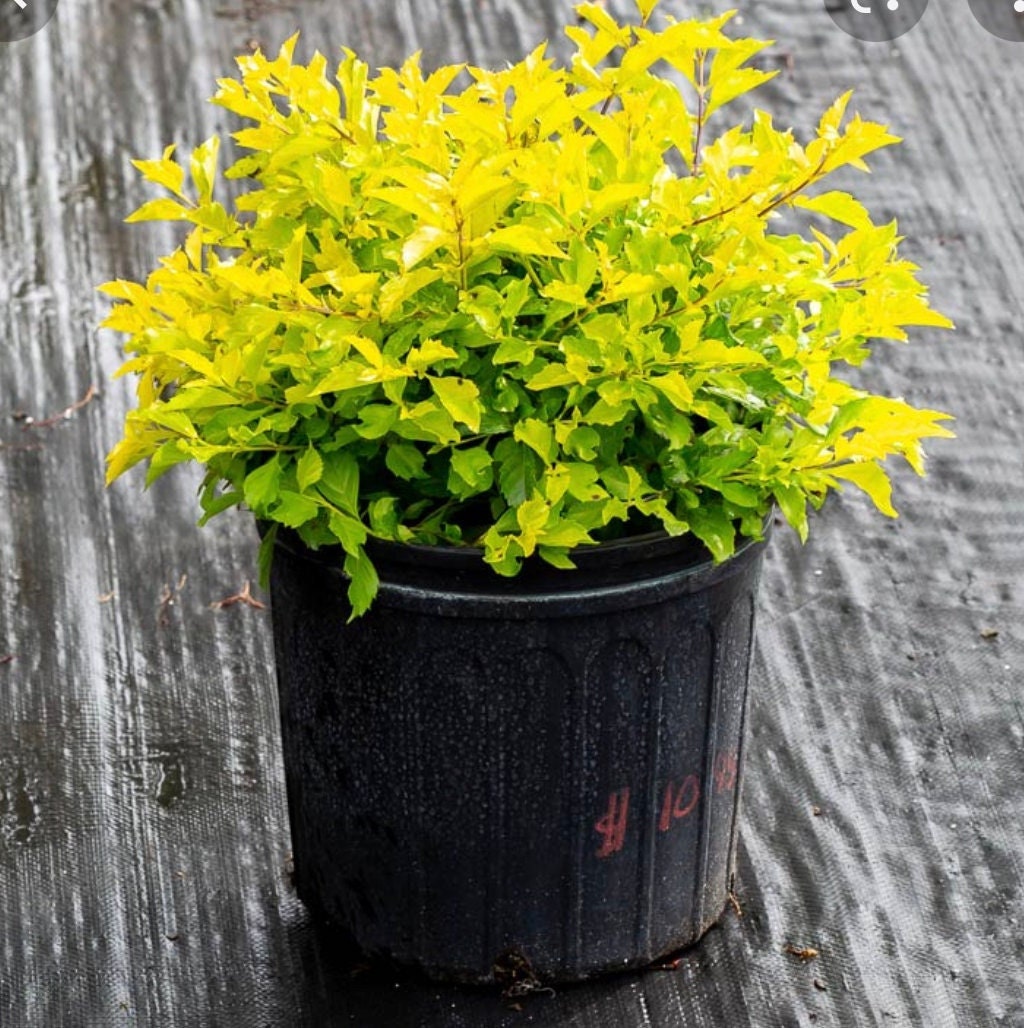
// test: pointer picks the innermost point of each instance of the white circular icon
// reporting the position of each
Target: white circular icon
(877, 21)
(20, 19)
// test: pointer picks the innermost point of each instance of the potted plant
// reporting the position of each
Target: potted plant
(512, 367)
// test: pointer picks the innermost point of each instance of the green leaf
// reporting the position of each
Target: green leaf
(174, 451)
(309, 470)
(739, 494)
(475, 468)
(339, 481)
(265, 556)
(793, 504)
(383, 516)
(583, 443)
(405, 461)
(376, 420)
(363, 582)
(214, 504)
(539, 436)
(514, 351)
(502, 552)
(428, 422)
(263, 486)
(566, 534)
(550, 376)
(461, 398)
(349, 531)
(714, 529)
(556, 556)
(675, 389)
(294, 509)
(519, 471)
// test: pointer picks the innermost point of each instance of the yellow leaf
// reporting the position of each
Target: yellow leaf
(427, 239)
(460, 398)
(164, 172)
(836, 205)
(675, 389)
(197, 362)
(422, 357)
(869, 477)
(203, 164)
(292, 256)
(396, 291)
(523, 239)
(828, 126)
(411, 201)
(159, 210)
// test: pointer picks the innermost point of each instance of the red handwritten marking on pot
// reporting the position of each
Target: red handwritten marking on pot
(612, 824)
(679, 801)
(725, 770)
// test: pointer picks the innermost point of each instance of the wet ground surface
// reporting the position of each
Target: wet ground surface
(143, 830)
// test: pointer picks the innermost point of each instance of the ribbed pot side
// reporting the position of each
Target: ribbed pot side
(483, 769)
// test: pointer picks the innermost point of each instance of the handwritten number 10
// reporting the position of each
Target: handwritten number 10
(679, 800)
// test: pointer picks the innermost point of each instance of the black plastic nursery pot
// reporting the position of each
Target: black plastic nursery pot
(540, 772)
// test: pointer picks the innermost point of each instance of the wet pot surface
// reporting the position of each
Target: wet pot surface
(539, 773)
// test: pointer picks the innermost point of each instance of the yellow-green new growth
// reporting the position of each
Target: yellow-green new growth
(523, 309)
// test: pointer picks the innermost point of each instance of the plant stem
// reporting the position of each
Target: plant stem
(698, 60)
(796, 189)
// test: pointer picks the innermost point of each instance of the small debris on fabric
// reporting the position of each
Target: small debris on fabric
(816, 810)
(989, 633)
(107, 597)
(6, 658)
(244, 596)
(19, 447)
(64, 415)
(514, 973)
(167, 598)
(805, 953)
(735, 903)
(820, 985)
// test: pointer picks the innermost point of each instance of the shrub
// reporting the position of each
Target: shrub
(525, 309)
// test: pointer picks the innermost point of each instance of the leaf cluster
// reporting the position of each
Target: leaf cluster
(526, 309)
